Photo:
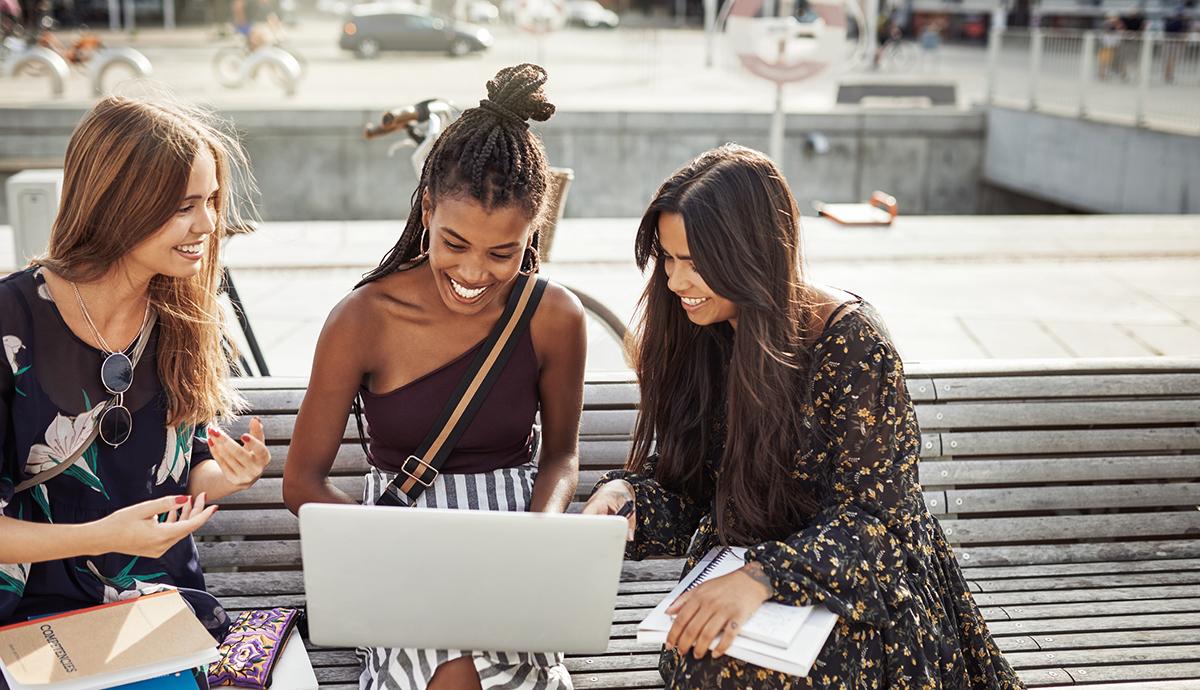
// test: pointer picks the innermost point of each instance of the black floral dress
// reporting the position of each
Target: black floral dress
(50, 381)
(872, 554)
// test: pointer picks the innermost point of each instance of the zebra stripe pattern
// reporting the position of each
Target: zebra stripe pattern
(412, 669)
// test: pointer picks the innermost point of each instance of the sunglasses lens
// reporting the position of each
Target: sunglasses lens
(117, 373)
(115, 425)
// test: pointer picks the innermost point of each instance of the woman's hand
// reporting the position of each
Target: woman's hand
(718, 607)
(137, 531)
(610, 499)
(241, 463)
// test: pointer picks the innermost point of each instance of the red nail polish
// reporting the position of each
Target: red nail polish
(245, 438)
(180, 500)
(212, 441)
(214, 432)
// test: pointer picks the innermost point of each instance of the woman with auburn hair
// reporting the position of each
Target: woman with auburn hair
(774, 416)
(117, 368)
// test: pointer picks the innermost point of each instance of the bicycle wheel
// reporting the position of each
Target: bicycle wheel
(227, 66)
(291, 50)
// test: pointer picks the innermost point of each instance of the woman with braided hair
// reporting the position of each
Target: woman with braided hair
(407, 333)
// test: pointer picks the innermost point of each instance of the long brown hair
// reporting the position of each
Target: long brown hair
(127, 167)
(708, 387)
(487, 154)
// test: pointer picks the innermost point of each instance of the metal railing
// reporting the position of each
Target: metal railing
(1146, 79)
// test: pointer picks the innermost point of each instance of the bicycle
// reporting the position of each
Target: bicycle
(228, 60)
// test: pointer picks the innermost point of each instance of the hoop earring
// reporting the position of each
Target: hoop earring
(531, 261)
(423, 245)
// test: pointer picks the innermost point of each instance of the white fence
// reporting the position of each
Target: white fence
(1141, 78)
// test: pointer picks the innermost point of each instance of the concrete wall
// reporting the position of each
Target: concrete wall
(315, 165)
(1092, 166)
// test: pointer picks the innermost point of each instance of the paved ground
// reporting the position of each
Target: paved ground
(949, 287)
(636, 69)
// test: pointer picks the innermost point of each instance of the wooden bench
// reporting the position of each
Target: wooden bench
(1069, 488)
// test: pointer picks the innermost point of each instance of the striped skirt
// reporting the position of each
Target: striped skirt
(412, 669)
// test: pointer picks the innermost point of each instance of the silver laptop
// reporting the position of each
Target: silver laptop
(460, 579)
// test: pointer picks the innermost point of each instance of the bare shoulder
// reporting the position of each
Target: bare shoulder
(828, 300)
(364, 308)
(559, 308)
(558, 327)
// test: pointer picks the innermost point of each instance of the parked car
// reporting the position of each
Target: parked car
(367, 31)
(591, 14)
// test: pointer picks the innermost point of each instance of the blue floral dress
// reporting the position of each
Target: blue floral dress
(50, 381)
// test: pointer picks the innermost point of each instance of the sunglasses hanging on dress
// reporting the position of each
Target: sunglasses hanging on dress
(116, 374)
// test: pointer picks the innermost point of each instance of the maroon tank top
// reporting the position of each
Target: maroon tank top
(500, 435)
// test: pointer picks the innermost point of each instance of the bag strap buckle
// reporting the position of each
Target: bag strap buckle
(419, 471)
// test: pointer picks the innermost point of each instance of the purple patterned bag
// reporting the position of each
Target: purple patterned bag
(252, 647)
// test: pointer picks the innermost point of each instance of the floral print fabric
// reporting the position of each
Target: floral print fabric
(48, 393)
(872, 554)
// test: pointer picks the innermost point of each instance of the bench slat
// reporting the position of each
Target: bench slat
(1104, 608)
(1069, 441)
(1044, 554)
(999, 415)
(1124, 638)
(1103, 385)
(1037, 571)
(1031, 595)
(1059, 527)
(1098, 623)
(938, 473)
(1040, 498)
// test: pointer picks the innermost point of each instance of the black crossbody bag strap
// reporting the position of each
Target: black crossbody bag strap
(420, 469)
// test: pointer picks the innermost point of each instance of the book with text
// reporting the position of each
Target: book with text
(107, 645)
(780, 637)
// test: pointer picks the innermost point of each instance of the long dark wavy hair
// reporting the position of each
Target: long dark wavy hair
(487, 154)
(744, 237)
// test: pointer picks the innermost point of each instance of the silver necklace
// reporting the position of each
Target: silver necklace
(96, 331)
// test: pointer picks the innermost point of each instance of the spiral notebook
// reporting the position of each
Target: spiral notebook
(779, 637)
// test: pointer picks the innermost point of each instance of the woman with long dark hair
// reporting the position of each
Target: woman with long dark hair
(405, 336)
(774, 415)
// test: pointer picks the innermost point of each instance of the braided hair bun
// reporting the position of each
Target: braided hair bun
(489, 154)
(516, 93)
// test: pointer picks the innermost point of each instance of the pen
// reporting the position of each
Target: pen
(625, 509)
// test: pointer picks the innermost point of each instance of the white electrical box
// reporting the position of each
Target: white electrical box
(33, 197)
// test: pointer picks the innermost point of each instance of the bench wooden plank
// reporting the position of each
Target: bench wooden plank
(1139, 685)
(1031, 595)
(1091, 581)
(1102, 608)
(1087, 657)
(967, 472)
(286, 553)
(1067, 386)
(1124, 638)
(1043, 498)
(1070, 441)
(1139, 672)
(1048, 626)
(1032, 415)
(1061, 527)
(1036, 571)
(1043, 554)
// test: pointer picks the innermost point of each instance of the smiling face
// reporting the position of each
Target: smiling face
(703, 306)
(177, 248)
(474, 252)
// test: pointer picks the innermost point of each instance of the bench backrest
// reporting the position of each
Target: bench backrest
(1022, 462)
